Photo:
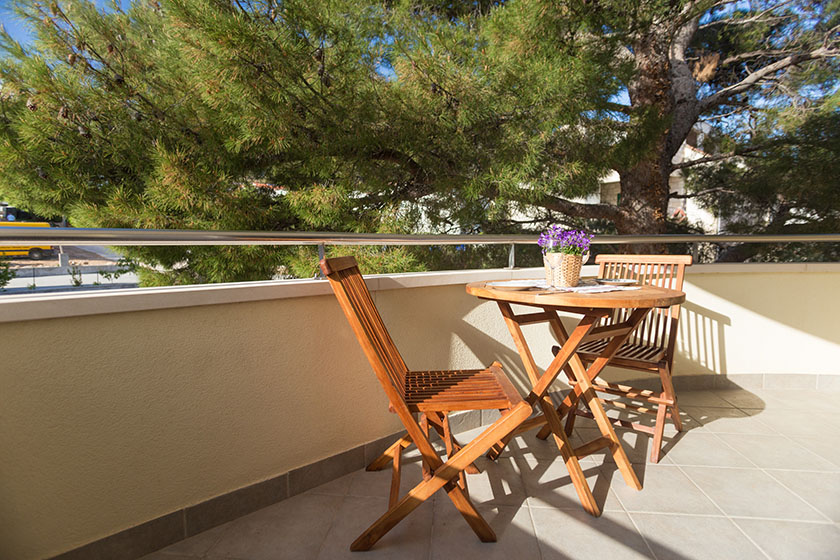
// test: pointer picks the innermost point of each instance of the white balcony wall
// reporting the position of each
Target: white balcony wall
(120, 407)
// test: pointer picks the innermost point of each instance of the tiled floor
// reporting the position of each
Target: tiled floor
(756, 474)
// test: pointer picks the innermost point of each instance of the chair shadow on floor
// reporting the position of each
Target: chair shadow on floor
(500, 491)
(701, 349)
(536, 466)
(706, 361)
(531, 461)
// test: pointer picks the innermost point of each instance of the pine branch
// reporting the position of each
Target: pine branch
(757, 76)
(740, 109)
(753, 54)
(674, 194)
(535, 221)
(742, 251)
(750, 20)
(756, 18)
(580, 209)
(619, 108)
(399, 158)
(719, 157)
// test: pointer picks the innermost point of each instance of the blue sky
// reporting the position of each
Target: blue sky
(19, 31)
(12, 24)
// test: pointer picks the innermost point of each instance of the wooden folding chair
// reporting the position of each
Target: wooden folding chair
(650, 348)
(432, 395)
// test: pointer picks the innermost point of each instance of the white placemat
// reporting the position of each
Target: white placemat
(518, 284)
(586, 287)
(597, 289)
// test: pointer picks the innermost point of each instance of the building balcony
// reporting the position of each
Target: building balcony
(235, 421)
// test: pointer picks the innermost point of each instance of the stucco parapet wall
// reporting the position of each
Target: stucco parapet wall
(762, 268)
(30, 307)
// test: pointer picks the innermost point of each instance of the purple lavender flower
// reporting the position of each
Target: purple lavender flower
(555, 239)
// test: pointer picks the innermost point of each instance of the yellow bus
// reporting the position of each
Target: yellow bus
(31, 251)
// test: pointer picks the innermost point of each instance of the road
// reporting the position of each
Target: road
(64, 282)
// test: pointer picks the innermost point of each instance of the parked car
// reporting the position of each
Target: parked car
(35, 252)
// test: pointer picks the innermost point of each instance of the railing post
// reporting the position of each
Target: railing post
(695, 252)
(512, 256)
(322, 252)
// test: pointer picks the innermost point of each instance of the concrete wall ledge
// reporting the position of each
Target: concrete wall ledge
(145, 409)
(50, 306)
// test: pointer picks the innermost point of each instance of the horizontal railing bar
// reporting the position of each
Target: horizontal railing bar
(18, 236)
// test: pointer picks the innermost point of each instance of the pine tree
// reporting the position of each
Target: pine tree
(196, 115)
(788, 186)
(724, 64)
(461, 117)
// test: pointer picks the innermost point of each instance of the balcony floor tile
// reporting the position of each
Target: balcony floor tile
(820, 489)
(726, 421)
(702, 398)
(703, 449)
(294, 528)
(661, 484)
(512, 524)
(695, 537)
(576, 534)
(751, 493)
(776, 452)
(743, 482)
(789, 540)
(410, 540)
(549, 485)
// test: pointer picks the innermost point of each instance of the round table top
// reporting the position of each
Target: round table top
(644, 297)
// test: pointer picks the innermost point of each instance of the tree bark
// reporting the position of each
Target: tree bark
(644, 184)
(665, 91)
(665, 104)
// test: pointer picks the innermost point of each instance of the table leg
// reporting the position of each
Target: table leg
(540, 396)
(587, 499)
(585, 390)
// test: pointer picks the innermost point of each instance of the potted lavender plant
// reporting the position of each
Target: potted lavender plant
(564, 252)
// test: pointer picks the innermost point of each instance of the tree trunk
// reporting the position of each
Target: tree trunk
(664, 108)
(644, 185)
(663, 97)
(644, 197)
(644, 202)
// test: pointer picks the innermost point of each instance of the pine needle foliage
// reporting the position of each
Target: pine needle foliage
(397, 116)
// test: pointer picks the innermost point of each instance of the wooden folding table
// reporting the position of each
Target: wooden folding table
(630, 307)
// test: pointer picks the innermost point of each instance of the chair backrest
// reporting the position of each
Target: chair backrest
(659, 327)
(357, 304)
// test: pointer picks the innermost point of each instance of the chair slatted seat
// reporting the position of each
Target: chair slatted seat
(649, 348)
(431, 395)
(458, 390)
(641, 352)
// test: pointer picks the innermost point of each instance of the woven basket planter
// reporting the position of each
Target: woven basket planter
(562, 270)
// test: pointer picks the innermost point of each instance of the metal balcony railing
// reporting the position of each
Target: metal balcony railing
(18, 236)
(175, 237)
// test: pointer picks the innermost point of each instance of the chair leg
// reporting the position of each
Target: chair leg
(436, 421)
(462, 502)
(387, 456)
(394, 495)
(675, 416)
(658, 430)
(443, 476)
(663, 411)
(668, 389)
(450, 450)
(570, 419)
(499, 447)
(424, 425)
(545, 431)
